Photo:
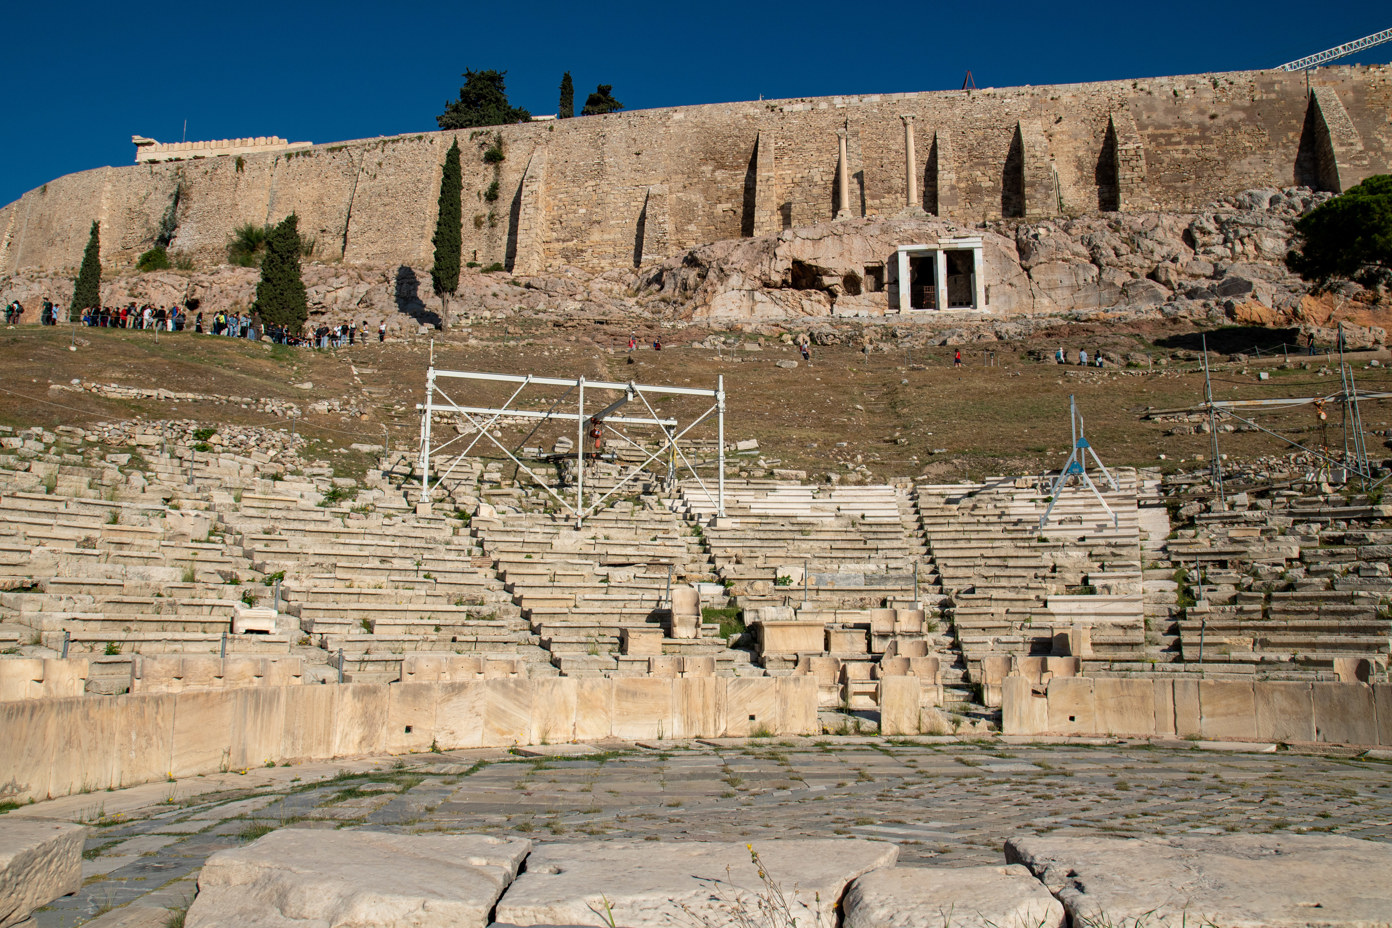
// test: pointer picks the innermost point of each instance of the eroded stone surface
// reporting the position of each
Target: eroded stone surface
(661, 883)
(963, 897)
(1237, 881)
(39, 861)
(309, 878)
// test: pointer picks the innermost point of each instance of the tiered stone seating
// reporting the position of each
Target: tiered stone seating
(117, 578)
(177, 674)
(1287, 590)
(832, 580)
(377, 588)
(582, 590)
(838, 547)
(135, 569)
(1014, 586)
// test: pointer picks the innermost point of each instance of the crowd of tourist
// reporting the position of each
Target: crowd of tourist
(171, 319)
(177, 318)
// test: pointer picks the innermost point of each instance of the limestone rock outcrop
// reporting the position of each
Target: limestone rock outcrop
(312, 878)
(1223, 264)
(964, 897)
(1273, 880)
(652, 883)
(39, 861)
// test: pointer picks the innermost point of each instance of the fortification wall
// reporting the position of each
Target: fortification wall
(604, 191)
(54, 747)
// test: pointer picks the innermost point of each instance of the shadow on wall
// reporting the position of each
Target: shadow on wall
(930, 180)
(1107, 174)
(1315, 164)
(751, 187)
(514, 219)
(1233, 339)
(1013, 179)
(408, 298)
(638, 233)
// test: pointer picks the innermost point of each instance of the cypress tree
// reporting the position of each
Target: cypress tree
(444, 274)
(87, 292)
(280, 296)
(567, 107)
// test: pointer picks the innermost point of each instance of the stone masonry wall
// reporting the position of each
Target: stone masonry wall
(611, 190)
(55, 747)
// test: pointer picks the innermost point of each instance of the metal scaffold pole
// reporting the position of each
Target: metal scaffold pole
(1076, 466)
(1217, 468)
(580, 458)
(720, 429)
(425, 436)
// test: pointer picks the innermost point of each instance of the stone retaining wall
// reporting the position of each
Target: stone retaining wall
(605, 191)
(1212, 710)
(63, 746)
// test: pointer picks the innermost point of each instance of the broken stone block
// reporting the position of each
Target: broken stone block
(641, 883)
(1276, 881)
(39, 861)
(963, 897)
(311, 878)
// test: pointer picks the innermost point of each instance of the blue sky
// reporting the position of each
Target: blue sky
(328, 72)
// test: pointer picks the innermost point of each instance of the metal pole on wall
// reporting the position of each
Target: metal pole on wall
(1216, 469)
(580, 459)
(425, 435)
(720, 438)
(1344, 405)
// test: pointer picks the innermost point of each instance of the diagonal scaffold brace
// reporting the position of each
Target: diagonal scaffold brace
(1076, 466)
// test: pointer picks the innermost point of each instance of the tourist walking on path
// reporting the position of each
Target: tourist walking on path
(957, 358)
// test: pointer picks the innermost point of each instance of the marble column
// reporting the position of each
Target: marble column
(910, 166)
(843, 180)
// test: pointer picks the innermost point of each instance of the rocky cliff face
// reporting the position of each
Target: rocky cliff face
(1221, 264)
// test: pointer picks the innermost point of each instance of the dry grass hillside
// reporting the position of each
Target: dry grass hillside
(899, 410)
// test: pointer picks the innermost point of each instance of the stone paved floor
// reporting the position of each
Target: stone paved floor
(945, 804)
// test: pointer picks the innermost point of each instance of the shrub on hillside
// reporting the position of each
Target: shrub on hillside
(156, 259)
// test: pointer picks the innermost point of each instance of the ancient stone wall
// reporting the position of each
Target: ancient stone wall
(613, 190)
(1215, 710)
(147, 149)
(55, 747)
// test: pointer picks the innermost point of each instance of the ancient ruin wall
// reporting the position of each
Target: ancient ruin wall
(603, 191)
(113, 741)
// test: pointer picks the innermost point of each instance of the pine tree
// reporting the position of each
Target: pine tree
(87, 292)
(444, 274)
(280, 296)
(482, 102)
(567, 107)
(1347, 238)
(601, 101)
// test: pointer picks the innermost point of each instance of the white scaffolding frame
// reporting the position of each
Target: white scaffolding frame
(484, 418)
